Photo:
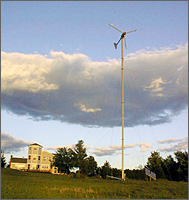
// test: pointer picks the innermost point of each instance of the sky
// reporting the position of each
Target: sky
(61, 78)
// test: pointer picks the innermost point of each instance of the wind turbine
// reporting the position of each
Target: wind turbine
(122, 102)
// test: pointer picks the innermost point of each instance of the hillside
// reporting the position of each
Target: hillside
(28, 185)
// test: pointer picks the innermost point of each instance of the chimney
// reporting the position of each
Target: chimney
(10, 161)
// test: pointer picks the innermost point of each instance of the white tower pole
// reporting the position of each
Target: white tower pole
(122, 102)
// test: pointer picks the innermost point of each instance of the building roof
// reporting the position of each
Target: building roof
(19, 160)
(47, 152)
(35, 144)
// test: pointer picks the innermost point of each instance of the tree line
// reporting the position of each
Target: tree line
(67, 159)
(168, 168)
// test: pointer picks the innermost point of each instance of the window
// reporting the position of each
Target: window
(34, 157)
(39, 157)
(34, 150)
(30, 149)
(29, 157)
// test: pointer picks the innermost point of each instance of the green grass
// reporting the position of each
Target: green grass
(27, 185)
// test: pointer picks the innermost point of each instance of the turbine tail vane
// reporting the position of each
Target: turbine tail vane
(115, 45)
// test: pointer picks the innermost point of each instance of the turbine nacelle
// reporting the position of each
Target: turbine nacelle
(122, 35)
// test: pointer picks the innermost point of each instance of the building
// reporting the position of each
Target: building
(36, 160)
(18, 163)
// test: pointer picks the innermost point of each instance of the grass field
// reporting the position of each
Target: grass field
(27, 185)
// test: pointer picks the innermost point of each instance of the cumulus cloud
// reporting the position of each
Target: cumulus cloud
(105, 151)
(119, 147)
(55, 148)
(169, 140)
(155, 85)
(115, 149)
(144, 146)
(85, 109)
(25, 72)
(178, 147)
(181, 145)
(72, 88)
(10, 144)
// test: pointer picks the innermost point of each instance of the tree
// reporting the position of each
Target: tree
(3, 160)
(79, 155)
(98, 171)
(64, 159)
(137, 174)
(116, 172)
(91, 165)
(106, 170)
(182, 164)
(170, 168)
(155, 164)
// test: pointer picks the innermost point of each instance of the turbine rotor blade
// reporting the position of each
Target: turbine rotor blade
(131, 31)
(125, 42)
(115, 27)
